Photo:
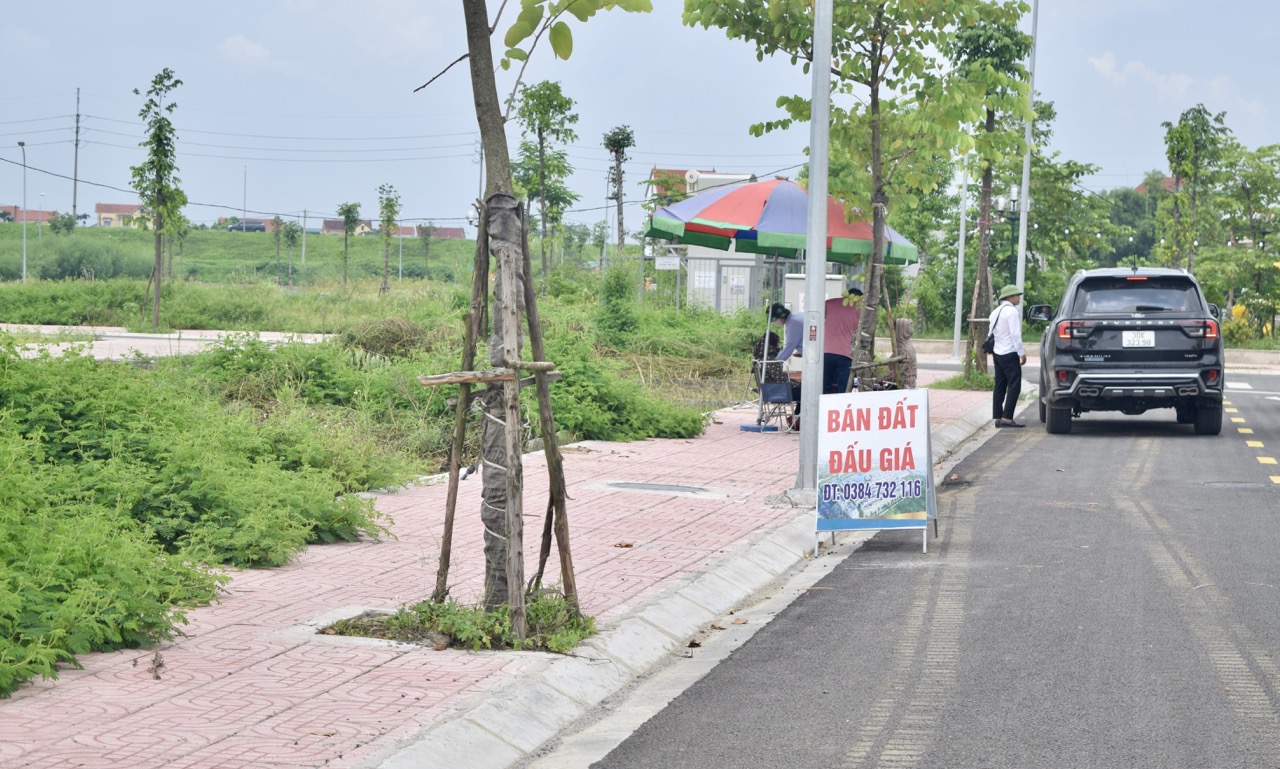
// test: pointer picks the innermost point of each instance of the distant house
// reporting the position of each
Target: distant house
(448, 233)
(119, 214)
(1170, 185)
(32, 217)
(437, 233)
(668, 185)
(336, 227)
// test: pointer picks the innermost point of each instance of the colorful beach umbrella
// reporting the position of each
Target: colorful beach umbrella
(769, 217)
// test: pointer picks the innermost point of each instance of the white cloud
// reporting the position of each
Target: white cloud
(1177, 90)
(240, 50)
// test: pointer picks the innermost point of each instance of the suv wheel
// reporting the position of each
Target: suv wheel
(1208, 419)
(1059, 421)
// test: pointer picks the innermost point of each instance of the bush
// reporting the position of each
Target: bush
(1237, 332)
(594, 402)
(76, 575)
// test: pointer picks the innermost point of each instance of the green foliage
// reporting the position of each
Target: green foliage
(156, 180)
(615, 318)
(1236, 332)
(554, 625)
(537, 17)
(975, 380)
(63, 224)
(78, 258)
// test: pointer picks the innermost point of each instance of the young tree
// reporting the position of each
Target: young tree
(292, 234)
(350, 213)
(885, 57)
(990, 56)
(425, 233)
(156, 180)
(546, 114)
(502, 508)
(277, 234)
(617, 142)
(389, 210)
(555, 194)
(1194, 146)
(62, 224)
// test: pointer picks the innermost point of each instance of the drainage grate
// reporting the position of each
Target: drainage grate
(669, 487)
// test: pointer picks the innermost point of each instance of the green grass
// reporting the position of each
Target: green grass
(553, 625)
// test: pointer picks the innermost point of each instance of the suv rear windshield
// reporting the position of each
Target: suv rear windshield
(1109, 296)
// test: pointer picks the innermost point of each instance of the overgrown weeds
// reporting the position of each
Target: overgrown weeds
(554, 625)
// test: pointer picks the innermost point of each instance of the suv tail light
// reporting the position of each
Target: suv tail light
(1201, 329)
(1075, 329)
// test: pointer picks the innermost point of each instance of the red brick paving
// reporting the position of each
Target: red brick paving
(251, 686)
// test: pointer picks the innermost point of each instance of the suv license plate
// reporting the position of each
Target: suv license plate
(1138, 338)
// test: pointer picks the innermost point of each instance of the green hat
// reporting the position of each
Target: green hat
(1008, 291)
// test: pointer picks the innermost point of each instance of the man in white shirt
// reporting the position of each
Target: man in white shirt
(1009, 356)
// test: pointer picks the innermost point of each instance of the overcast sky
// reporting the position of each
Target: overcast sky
(289, 105)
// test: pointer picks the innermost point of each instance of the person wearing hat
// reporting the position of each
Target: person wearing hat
(1009, 356)
(840, 323)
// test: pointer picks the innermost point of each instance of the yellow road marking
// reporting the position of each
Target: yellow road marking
(1275, 479)
(1232, 411)
(1267, 460)
(1237, 419)
(1245, 430)
(1254, 444)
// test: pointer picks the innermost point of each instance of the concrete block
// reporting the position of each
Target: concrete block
(588, 682)
(678, 617)
(634, 644)
(772, 557)
(715, 593)
(526, 714)
(451, 745)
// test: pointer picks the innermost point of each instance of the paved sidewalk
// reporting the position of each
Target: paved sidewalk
(253, 685)
(115, 343)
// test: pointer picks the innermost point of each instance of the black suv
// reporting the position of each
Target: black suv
(1129, 340)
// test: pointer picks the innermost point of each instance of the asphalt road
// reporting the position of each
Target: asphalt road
(1108, 598)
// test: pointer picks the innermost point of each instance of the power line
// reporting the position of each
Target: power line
(184, 129)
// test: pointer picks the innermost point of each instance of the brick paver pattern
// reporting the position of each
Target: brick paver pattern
(253, 685)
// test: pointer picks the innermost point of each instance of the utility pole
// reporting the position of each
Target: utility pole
(75, 163)
(23, 146)
(304, 236)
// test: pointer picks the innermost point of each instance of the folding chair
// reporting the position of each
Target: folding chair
(777, 402)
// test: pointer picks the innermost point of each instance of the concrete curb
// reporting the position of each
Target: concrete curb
(499, 728)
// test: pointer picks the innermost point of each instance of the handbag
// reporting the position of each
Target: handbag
(989, 346)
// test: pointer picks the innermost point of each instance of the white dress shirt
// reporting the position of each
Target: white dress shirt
(1006, 324)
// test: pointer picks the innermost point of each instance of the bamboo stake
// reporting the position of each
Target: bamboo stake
(557, 515)
(477, 323)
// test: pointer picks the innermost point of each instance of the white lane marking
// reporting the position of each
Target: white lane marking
(1239, 386)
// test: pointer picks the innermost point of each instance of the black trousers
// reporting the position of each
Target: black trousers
(1008, 374)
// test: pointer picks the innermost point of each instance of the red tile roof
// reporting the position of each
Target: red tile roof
(33, 217)
(116, 208)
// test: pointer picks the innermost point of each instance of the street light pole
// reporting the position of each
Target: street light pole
(23, 147)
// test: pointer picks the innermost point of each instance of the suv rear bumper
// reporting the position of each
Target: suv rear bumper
(1122, 390)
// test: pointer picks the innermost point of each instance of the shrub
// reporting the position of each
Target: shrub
(1237, 332)
(75, 575)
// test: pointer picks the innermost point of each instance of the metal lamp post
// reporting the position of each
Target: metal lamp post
(23, 147)
(1007, 206)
